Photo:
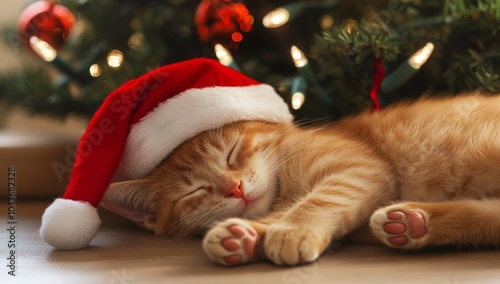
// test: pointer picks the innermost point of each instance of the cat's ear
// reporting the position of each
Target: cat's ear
(131, 199)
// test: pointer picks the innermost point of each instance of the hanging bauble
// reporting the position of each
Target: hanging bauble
(222, 21)
(46, 20)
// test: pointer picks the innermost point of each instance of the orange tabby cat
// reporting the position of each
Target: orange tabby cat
(419, 174)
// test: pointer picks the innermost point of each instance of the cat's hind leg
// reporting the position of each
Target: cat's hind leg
(417, 225)
(401, 226)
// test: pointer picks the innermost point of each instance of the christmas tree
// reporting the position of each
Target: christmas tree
(328, 58)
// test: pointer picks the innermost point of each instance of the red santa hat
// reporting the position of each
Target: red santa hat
(140, 124)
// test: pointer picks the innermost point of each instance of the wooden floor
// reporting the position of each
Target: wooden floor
(124, 254)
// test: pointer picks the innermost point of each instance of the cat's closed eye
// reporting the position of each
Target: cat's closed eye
(233, 154)
(196, 191)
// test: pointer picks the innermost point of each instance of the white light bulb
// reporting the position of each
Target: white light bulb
(95, 70)
(43, 49)
(421, 56)
(223, 55)
(276, 18)
(115, 58)
(298, 100)
(299, 59)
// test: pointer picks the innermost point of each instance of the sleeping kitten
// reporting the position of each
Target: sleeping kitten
(416, 175)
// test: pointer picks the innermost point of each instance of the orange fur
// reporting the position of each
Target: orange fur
(316, 184)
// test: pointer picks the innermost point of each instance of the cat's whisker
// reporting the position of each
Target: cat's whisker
(196, 223)
(328, 120)
(177, 228)
(292, 141)
(312, 184)
(277, 156)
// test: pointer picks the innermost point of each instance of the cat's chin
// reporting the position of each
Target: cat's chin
(260, 205)
(255, 208)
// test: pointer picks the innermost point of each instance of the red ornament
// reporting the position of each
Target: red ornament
(222, 21)
(46, 20)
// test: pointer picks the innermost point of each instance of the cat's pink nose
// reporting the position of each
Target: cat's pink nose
(235, 190)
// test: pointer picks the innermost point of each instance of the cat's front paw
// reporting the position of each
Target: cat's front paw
(231, 242)
(291, 245)
(401, 226)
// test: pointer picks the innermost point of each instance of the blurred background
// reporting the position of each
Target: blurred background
(31, 143)
(11, 60)
(327, 58)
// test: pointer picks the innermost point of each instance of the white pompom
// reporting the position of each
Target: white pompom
(69, 224)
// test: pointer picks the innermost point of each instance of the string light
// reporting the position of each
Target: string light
(298, 100)
(224, 56)
(43, 49)
(350, 25)
(95, 70)
(115, 58)
(280, 16)
(419, 58)
(299, 59)
(305, 71)
(298, 89)
(135, 41)
(407, 69)
(276, 18)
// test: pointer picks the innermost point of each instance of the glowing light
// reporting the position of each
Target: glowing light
(350, 25)
(276, 18)
(135, 41)
(223, 55)
(326, 21)
(115, 58)
(407, 69)
(298, 100)
(237, 37)
(95, 70)
(43, 49)
(299, 59)
(421, 56)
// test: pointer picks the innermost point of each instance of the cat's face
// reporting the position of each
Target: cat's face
(222, 173)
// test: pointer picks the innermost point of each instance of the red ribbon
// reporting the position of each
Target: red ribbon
(378, 78)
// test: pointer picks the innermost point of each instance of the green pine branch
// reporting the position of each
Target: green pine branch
(154, 33)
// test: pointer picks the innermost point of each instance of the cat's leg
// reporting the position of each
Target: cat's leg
(231, 242)
(237, 241)
(334, 208)
(416, 225)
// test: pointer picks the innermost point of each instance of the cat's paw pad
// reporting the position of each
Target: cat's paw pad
(400, 227)
(232, 242)
(290, 245)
